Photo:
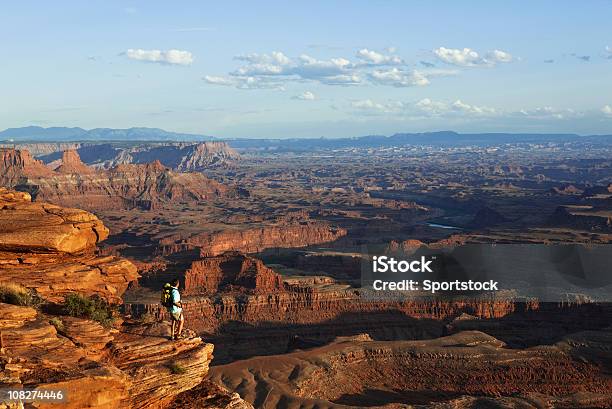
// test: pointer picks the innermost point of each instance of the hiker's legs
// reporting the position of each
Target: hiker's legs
(181, 323)
(173, 327)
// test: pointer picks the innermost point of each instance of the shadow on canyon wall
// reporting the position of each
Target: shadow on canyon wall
(523, 328)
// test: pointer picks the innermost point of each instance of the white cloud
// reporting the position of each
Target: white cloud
(344, 79)
(372, 67)
(370, 107)
(609, 52)
(275, 57)
(549, 112)
(212, 79)
(259, 69)
(247, 82)
(458, 110)
(376, 58)
(431, 107)
(467, 57)
(173, 57)
(268, 70)
(305, 96)
(312, 68)
(305, 67)
(461, 106)
(423, 108)
(399, 78)
(500, 56)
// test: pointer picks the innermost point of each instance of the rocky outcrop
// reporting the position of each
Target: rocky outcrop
(206, 154)
(51, 249)
(209, 395)
(262, 324)
(582, 218)
(231, 272)
(158, 370)
(134, 366)
(177, 156)
(406, 247)
(71, 163)
(180, 156)
(73, 183)
(16, 165)
(568, 190)
(42, 227)
(39, 149)
(92, 337)
(358, 372)
(254, 240)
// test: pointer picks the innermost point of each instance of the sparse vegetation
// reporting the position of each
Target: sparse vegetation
(176, 368)
(94, 308)
(16, 294)
(146, 318)
(57, 323)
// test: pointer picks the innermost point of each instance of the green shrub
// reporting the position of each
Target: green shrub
(177, 368)
(94, 308)
(16, 294)
(57, 323)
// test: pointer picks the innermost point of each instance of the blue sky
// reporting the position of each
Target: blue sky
(329, 68)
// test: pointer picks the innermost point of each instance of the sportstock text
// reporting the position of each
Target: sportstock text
(384, 264)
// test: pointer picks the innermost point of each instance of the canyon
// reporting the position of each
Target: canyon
(50, 251)
(179, 156)
(269, 248)
(123, 186)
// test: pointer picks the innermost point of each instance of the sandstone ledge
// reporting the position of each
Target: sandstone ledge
(51, 249)
(42, 227)
(128, 368)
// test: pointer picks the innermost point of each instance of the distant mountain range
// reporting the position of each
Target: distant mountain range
(64, 134)
(443, 138)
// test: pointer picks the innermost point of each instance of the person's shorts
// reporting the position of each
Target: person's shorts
(176, 316)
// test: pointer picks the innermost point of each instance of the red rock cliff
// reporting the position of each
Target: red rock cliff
(254, 240)
(71, 163)
(231, 271)
(51, 249)
(16, 164)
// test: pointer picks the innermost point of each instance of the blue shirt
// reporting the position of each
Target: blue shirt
(176, 298)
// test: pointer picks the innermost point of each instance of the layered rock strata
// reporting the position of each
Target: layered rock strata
(358, 372)
(230, 271)
(253, 240)
(133, 366)
(52, 250)
(125, 186)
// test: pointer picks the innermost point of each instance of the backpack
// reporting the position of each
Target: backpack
(166, 296)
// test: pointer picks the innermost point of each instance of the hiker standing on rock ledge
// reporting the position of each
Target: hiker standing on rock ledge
(171, 299)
